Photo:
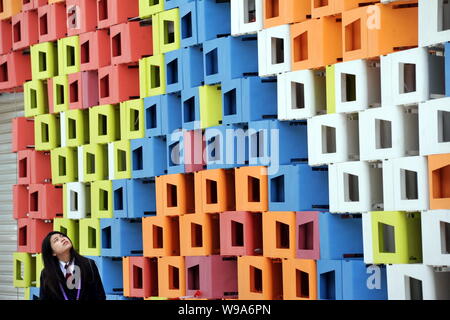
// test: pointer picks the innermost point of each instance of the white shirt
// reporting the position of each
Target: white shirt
(62, 265)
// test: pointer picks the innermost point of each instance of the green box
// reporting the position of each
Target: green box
(64, 163)
(169, 30)
(104, 124)
(152, 76)
(69, 227)
(90, 241)
(155, 34)
(69, 55)
(95, 162)
(132, 119)
(60, 86)
(39, 268)
(77, 127)
(210, 106)
(44, 61)
(35, 98)
(331, 89)
(47, 133)
(102, 199)
(122, 160)
(24, 270)
(396, 237)
(149, 7)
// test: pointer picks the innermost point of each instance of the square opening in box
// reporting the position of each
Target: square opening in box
(17, 32)
(215, 233)
(408, 185)
(297, 95)
(151, 117)
(443, 15)
(172, 72)
(23, 241)
(328, 140)
(1, 6)
(174, 278)
(19, 264)
(211, 192)
(301, 47)
(103, 202)
(353, 36)
(348, 87)
(229, 103)
(186, 26)
(249, 11)
(104, 87)
(172, 196)
(23, 168)
(4, 72)
(254, 189)
(193, 274)
(272, 8)
(138, 159)
(212, 62)
(214, 148)
(351, 187)
(257, 144)
(73, 90)
(282, 234)
(320, 3)
(118, 199)
(90, 163)
(43, 25)
(138, 281)
(106, 238)
(92, 238)
(85, 52)
(301, 284)
(415, 288)
(62, 166)
(45, 137)
(306, 236)
(277, 45)
(196, 235)
(121, 160)
(445, 237)
(277, 193)
(237, 234)
(256, 280)
(134, 120)
(34, 201)
(33, 99)
(328, 286)
(71, 129)
(440, 178)
(155, 77)
(42, 61)
(102, 125)
(175, 154)
(102, 9)
(443, 126)
(383, 130)
(70, 55)
(189, 110)
(386, 238)
(73, 200)
(116, 45)
(158, 239)
(407, 78)
(169, 32)
(63, 230)
(60, 96)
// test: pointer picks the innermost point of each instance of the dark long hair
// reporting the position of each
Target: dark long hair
(52, 268)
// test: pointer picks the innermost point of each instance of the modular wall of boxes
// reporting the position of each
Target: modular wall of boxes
(243, 149)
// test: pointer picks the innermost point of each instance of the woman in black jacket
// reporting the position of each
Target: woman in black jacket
(67, 275)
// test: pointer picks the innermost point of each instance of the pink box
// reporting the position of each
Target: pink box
(33, 4)
(194, 146)
(307, 235)
(30, 233)
(45, 201)
(24, 29)
(111, 12)
(118, 83)
(6, 38)
(95, 50)
(15, 69)
(82, 16)
(33, 167)
(22, 133)
(83, 90)
(20, 201)
(52, 22)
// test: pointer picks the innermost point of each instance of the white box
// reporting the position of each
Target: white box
(434, 22)
(386, 133)
(411, 76)
(62, 120)
(333, 138)
(301, 94)
(355, 187)
(436, 237)
(434, 126)
(367, 237)
(80, 164)
(405, 184)
(274, 50)
(415, 281)
(78, 196)
(246, 16)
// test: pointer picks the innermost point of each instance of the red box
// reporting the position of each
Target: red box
(95, 50)
(82, 16)
(307, 235)
(30, 233)
(20, 201)
(111, 12)
(6, 38)
(140, 277)
(15, 69)
(33, 167)
(194, 147)
(52, 22)
(130, 42)
(33, 4)
(83, 90)
(45, 201)
(22, 133)
(118, 83)
(24, 29)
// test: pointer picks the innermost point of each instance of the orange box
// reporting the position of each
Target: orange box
(199, 234)
(171, 277)
(377, 30)
(279, 12)
(439, 181)
(175, 194)
(10, 8)
(316, 43)
(304, 287)
(161, 236)
(251, 189)
(260, 278)
(214, 191)
(323, 8)
(279, 234)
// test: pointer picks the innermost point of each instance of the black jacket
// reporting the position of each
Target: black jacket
(91, 285)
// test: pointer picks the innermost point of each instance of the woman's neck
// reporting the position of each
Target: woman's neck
(65, 257)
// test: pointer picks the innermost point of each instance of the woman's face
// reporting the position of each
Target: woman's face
(60, 244)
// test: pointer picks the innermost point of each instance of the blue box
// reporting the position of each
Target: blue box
(175, 152)
(329, 280)
(120, 198)
(363, 282)
(190, 108)
(141, 198)
(174, 70)
(193, 66)
(213, 19)
(121, 237)
(341, 236)
(148, 157)
(230, 58)
(249, 99)
(226, 146)
(162, 114)
(447, 69)
(110, 270)
(188, 24)
(34, 293)
(298, 188)
(272, 138)
(171, 4)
